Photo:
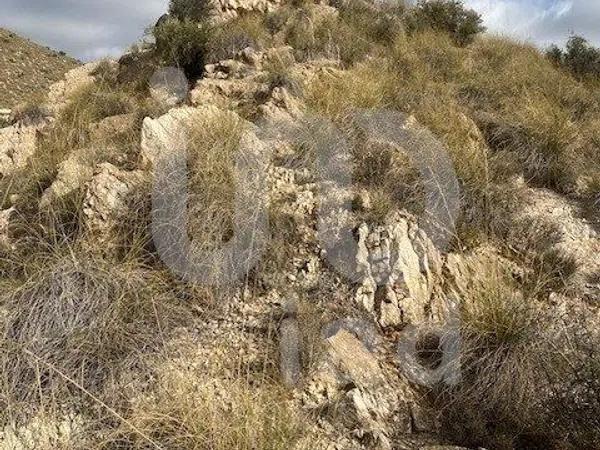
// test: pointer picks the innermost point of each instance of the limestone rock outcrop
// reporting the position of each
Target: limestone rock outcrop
(170, 132)
(398, 265)
(547, 222)
(351, 385)
(73, 81)
(107, 201)
(225, 10)
(17, 144)
(73, 173)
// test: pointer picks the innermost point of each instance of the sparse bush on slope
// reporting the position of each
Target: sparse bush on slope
(450, 16)
(77, 317)
(522, 369)
(579, 57)
(193, 10)
(182, 44)
(535, 121)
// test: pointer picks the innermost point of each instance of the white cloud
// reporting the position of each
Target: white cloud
(91, 29)
(86, 29)
(541, 21)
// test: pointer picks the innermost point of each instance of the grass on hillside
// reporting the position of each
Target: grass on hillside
(77, 325)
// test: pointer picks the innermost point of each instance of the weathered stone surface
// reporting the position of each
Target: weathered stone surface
(5, 115)
(544, 221)
(169, 86)
(351, 356)
(109, 127)
(226, 93)
(73, 81)
(17, 145)
(106, 201)
(281, 107)
(72, 175)
(398, 266)
(169, 133)
(6, 244)
(41, 432)
(370, 406)
(225, 10)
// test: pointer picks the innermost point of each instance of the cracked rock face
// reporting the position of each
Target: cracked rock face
(398, 265)
(73, 173)
(351, 384)
(106, 202)
(73, 81)
(6, 244)
(17, 145)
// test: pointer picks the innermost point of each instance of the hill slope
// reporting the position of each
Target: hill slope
(27, 68)
(394, 240)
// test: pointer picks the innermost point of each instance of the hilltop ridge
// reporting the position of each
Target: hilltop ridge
(352, 225)
(28, 69)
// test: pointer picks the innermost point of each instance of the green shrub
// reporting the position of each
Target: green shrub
(579, 57)
(194, 10)
(555, 54)
(450, 16)
(183, 44)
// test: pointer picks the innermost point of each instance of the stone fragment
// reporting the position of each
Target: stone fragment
(398, 266)
(106, 203)
(17, 145)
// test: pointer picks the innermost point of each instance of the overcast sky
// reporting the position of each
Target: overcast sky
(91, 29)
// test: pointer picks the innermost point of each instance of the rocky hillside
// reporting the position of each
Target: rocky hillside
(27, 69)
(342, 227)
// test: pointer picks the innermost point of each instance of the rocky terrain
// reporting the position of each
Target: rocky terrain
(357, 317)
(27, 69)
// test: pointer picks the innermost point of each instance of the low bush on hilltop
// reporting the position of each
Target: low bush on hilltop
(579, 57)
(193, 10)
(183, 44)
(450, 16)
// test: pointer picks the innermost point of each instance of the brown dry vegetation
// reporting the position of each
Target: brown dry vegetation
(27, 69)
(78, 326)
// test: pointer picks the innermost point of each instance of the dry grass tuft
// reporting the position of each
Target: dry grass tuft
(226, 40)
(517, 357)
(185, 413)
(83, 317)
(212, 153)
